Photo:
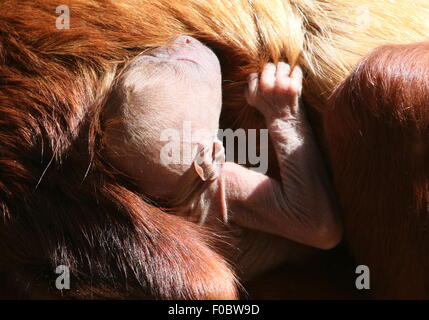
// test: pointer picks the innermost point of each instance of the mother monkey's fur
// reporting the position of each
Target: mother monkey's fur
(62, 204)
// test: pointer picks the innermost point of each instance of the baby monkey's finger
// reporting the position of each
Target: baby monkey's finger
(252, 88)
(297, 73)
(282, 76)
(268, 77)
(296, 79)
(282, 69)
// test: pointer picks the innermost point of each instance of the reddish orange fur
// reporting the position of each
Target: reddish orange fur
(377, 132)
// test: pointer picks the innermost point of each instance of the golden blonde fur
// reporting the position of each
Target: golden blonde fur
(326, 37)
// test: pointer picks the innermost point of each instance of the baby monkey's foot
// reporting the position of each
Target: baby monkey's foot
(275, 92)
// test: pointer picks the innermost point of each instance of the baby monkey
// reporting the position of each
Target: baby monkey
(170, 99)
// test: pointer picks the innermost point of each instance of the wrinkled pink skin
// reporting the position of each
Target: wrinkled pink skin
(184, 84)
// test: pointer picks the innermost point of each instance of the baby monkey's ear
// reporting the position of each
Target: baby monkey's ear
(202, 164)
(208, 166)
(200, 171)
(209, 161)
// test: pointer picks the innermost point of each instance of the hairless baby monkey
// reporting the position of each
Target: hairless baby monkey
(162, 90)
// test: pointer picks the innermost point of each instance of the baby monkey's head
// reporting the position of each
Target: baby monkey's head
(185, 73)
(158, 91)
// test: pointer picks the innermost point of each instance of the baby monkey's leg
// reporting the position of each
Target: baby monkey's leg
(301, 206)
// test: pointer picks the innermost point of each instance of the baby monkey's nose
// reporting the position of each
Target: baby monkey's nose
(185, 40)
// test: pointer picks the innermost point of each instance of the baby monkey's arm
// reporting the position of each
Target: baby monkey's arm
(301, 206)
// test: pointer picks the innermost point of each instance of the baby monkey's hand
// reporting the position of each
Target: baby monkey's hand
(300, 206)
(276, 91)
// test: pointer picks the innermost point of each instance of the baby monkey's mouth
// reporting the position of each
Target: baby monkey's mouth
(183, 48)
(189, 60)
(168, 57)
